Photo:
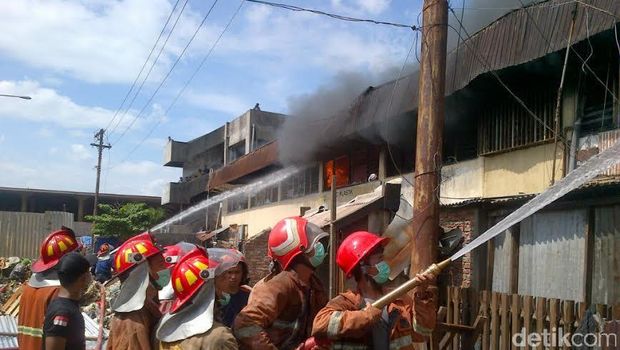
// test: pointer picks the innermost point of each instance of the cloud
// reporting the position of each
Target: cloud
(359, 7)
(80, 152)
(229, 104)
(95, 41)
(48, 106)
(283, 41)
(142, 177)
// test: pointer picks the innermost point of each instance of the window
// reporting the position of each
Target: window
(504, 124)
(235, 151)
(301, 184)
(342, 172)
(598, 107)
(238, 203)
(263, 197)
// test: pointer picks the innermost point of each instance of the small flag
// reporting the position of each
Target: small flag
(62, 321)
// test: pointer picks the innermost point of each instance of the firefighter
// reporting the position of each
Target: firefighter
(42, 287)
(136, 308)
(282, 306)
(349, 320)
(190, 325)
(231, 290)
(172, 254)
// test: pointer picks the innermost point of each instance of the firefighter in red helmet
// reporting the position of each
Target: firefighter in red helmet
(172, 255)
(190, 325)
(281, 307)
(42, 287)
(349, 320)
(136, 308)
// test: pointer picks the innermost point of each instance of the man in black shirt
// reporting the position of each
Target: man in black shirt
(64, 325)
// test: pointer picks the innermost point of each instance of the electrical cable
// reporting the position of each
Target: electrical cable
(191, 78)
(169, 72)
(335, 16)
(143, 66)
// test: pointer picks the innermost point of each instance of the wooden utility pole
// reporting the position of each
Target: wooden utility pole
(332, 237)
(431, 112)
(100, 147)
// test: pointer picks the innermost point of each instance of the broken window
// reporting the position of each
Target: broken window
(301, 184)
(505, 125)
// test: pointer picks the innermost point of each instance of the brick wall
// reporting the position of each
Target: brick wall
(460, 272)
(255, 251)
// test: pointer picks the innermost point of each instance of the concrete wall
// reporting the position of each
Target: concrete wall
(462, 180)
(520, 172)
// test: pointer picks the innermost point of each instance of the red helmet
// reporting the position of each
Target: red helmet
(223, 259)
(54, 247)
(173, 253)
(291, 237)
(134, 251)
(355, 248)
(188, 275)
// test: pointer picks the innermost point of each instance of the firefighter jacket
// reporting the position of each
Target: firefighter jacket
(279, 313)
(345, 323)
(135, 330)
(218, 337)
(32, 305)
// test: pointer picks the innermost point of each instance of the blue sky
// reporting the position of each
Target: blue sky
(77, 59)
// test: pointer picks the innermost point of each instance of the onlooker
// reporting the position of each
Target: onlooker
(63, 327)
(103, 268)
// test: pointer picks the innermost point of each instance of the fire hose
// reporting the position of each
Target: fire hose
(101, 316)
(435, 269)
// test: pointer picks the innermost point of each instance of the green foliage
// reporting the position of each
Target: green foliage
(124, 221)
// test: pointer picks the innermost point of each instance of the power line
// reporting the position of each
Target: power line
(191, 78)
(497, 77)
(143, 65)
(148, 74)
(332, 15)
(169, 72)
(572, 48)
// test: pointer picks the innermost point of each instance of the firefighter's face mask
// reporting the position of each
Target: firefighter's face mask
(224, 299)
(163, 278)
(319, 254)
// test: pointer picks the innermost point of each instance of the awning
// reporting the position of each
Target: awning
(382, 198)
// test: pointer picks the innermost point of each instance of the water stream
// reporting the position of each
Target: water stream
(573, 180)
(262, 183)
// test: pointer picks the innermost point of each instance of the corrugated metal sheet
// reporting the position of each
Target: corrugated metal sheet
(8, 324)
(501, 263)
(23, 232)
(606, 269)
(551, 254)
(606, 140)
(511, 40)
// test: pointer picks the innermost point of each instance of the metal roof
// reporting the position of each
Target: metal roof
(511, 40)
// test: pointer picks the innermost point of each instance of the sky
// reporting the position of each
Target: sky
(78, 59)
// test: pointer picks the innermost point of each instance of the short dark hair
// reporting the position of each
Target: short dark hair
(71, 267)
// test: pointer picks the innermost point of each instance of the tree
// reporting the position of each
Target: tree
(124, 221)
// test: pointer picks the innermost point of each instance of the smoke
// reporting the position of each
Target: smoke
(341, 93)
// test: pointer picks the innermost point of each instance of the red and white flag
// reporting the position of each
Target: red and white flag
(62, 321)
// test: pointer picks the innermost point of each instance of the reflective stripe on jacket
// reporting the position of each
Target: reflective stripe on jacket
(32, 306)
(348, 326)
(279, 313)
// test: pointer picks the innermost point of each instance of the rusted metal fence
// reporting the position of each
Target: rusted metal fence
(510, 314)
